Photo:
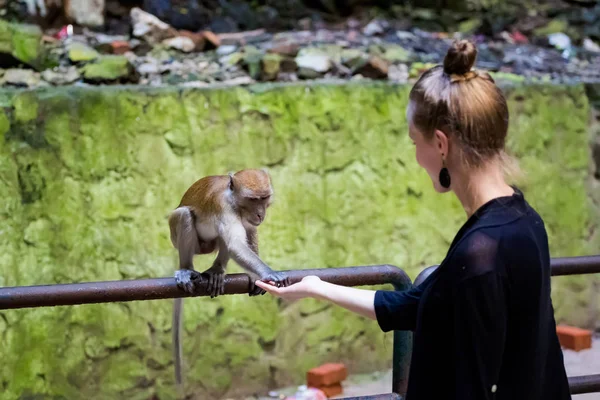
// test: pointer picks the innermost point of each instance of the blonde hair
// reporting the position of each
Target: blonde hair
(466, 105)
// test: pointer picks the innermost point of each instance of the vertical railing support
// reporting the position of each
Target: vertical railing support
(402, 352)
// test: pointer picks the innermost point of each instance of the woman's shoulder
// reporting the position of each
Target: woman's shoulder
(505, 236)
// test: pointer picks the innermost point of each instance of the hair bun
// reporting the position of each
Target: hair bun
(460, 57)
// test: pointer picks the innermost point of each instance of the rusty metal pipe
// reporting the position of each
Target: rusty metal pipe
(386, 396)
(584, 384)
(164, 288)
(558, 266)
(575, 265)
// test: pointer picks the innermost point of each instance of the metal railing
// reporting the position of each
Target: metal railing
(164, 288)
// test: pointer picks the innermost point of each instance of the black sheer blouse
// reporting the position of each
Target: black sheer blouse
(483, 321)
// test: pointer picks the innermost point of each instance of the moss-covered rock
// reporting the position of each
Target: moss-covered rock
(89, 176)
(80, 52)
(108, 68)
(24, 42)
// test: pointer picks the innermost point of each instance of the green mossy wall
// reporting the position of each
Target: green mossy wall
(89, 175)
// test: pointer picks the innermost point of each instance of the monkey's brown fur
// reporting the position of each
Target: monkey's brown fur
(220, 212)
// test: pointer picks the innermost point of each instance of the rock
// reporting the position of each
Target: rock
(182, 43)
(375, 27)
(270, 66)
(242, 38)
(554, 26)
(559, 40)
(85, 12)
(375, 68)
(232, 59)
(590, 45)
(417, 68)
(398, 73)
(226, 50)
(20, 77)
(397, 53)
(252, 61)
(286, 49)
(79, 52)
(150, 28)
(311, 60)
(198, 39)
(350, 55)
(23, 42)
(61, 76)
(404, 35)
(288, 65)
(148, 69)
(108, 68)
(102, 38)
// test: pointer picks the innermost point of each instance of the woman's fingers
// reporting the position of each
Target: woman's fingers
(266, 286)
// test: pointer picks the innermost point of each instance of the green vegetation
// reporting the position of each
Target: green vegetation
(89, 176)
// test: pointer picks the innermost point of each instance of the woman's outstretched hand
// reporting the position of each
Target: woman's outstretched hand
(308, 287)
(360, 301)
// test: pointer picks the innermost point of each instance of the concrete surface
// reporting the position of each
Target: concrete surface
(585, 362)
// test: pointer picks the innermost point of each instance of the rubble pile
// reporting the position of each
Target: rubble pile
(155, 53)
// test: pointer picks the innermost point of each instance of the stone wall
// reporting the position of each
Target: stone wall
(89, 175)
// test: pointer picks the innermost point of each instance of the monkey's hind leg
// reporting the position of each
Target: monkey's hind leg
(216, 273)
(185, 239)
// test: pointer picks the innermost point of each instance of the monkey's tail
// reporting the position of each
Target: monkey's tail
(177, 348)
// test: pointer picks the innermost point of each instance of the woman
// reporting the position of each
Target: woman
(483, 321)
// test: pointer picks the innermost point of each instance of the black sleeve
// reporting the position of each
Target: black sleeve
(480, 328)
(397, 310)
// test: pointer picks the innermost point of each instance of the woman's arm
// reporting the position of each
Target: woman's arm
(360, 301)
(391, 309)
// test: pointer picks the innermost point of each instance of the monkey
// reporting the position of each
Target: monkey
(220, 212)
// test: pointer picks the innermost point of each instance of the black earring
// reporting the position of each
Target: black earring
(444, 176)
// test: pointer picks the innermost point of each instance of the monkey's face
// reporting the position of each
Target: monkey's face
(253, 194)
(254, 209)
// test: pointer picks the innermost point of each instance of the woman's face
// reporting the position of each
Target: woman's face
(429, 152)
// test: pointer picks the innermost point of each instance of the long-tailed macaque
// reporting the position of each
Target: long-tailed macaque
(220, 213)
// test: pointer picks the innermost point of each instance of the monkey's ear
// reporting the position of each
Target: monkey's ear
(230, 180)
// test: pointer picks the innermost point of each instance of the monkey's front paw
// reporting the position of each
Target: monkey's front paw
(187, 279)
(279, 279)
(216, 282)
(255, 290)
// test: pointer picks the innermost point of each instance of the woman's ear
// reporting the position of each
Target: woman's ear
(441, 142)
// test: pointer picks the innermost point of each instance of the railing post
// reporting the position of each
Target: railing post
(403, 340)
(402, 349)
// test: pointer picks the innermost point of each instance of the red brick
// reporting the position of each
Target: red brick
(326, 374)
(331, 390)
(574, 338)
(197, 38)
(120, 47)
(213, 41)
